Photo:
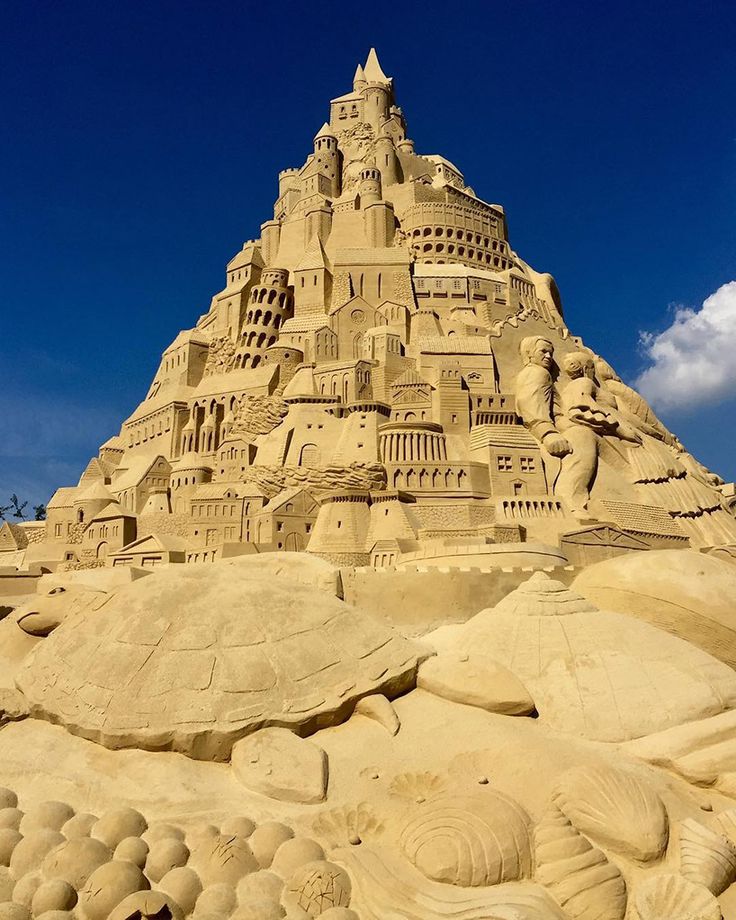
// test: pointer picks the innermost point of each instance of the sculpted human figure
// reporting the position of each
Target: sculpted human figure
(540, 406)
(585, 403)
(631, 406)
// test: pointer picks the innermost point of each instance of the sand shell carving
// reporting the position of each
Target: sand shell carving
(470, 840)
(340, 826)
(417, 787)
(706, 857)
(616, 809)
(386, 885)
(675, 898)
(579, 875)
(602, 675)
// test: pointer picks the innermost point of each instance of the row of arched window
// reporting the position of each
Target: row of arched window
(461, 252)
(513, 508)
(430, 478)
(256, 339)
(153, 429)
(269, 295)
(261, 318)
(467, 236)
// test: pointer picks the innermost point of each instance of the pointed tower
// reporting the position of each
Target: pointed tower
(386, 159)
(378, 93)
(373, 71)
(270, 305)
(359, 80)
(312, 280)
(327, 157)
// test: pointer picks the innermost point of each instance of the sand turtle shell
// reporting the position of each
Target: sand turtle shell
(194, 657)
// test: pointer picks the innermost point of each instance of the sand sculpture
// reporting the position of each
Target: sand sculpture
(390, 601)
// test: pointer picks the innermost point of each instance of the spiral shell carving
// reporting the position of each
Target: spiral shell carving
(578, 875)
(616, 809)
(706, 857)
(675, 898)
(470, 840)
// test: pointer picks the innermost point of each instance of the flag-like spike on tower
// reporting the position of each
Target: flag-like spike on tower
(373, 70)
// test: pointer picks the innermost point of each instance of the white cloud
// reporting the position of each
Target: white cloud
(693, 362)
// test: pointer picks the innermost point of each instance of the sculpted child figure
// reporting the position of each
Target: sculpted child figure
(568, 423)
(585, 403)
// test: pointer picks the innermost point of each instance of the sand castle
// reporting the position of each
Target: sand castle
(390, 601)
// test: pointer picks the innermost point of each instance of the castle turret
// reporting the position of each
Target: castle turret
(288, 178)
(157, 502)
(188, 472)
(380, 222)
(270, 239)
(370, 185)
(376, 104)
(359, 80)
(271, 303)
(341, 528)
(327, 157)
(386, 159)
(287, 360)
(377, 93)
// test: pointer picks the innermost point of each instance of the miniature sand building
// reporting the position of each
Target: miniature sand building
(383, 333)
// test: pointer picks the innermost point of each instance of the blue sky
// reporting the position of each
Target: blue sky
(141, 144)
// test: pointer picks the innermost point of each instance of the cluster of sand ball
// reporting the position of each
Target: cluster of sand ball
(59, 865)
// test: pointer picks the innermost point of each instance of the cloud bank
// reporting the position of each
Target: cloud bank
(693, 362)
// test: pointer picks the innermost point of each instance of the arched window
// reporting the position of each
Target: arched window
(309, 455)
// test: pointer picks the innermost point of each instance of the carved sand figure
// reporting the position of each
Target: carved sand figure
(584, 403)
(539, 404)
(192, 661)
